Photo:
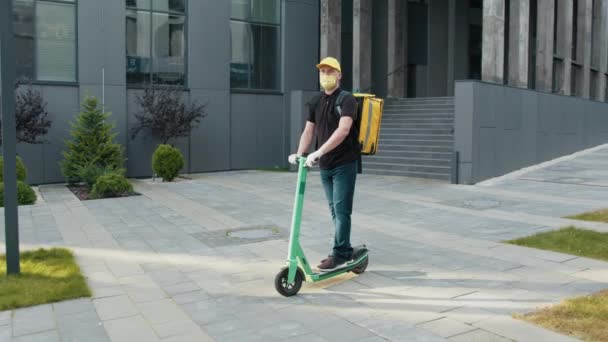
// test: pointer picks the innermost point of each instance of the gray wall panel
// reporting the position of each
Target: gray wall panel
(513, 112)
(269, 131)
(210, 142)
(512, 128)
(487, 153)
(243, 131)
(63, 106)
(257, 128)
(301, 45)
(140, 149)
(33, 158)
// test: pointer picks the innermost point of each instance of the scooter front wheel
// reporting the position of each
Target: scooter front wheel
(283, 287)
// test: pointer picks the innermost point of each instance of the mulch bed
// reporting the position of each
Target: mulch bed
(82, 192)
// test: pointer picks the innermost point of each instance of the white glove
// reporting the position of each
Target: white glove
(313, 158)
(293, 159)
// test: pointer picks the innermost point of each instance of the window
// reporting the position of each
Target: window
(156, 42)
(255, 31)
(45, 40)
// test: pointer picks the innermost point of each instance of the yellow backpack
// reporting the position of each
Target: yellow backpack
(369, 116)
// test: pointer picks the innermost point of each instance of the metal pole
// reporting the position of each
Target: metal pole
(7, 72)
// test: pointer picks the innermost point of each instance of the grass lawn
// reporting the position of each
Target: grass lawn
(569, 240)
(598, 216)
(46, 276)
(585, 317)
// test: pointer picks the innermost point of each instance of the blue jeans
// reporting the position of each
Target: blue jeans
(339, 185)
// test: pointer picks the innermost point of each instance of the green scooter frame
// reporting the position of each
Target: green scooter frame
(289, 280)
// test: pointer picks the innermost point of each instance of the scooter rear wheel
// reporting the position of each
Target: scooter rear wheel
(283, 287)
(361, 268)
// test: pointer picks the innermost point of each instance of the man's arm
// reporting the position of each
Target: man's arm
(306, 138)
(339, 134)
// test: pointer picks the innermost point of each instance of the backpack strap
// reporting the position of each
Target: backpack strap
(341, 96)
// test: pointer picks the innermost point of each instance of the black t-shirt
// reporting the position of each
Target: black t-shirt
(326, 120)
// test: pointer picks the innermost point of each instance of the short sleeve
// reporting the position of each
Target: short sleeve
(349, 107)
(312, 108)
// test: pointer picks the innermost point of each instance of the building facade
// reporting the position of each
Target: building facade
(419, 48)
(249, 60)
(239, 57)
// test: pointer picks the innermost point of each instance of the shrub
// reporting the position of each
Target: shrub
(92, 143)
(111, 185)
(167, 161)
(31, 117)
(164, 115)
(89, 173)
(25, 194)
(21, 170)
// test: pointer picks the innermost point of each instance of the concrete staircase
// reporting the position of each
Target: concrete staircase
(416, 139)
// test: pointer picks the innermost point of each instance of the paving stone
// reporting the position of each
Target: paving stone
(73, 306)
(6, 317)
(176, 327)
(33, 320)
(130, 329)
(47, 336)
(109, 291)
(6, 332)
(114, 307)
(161, 311)
(181, 288)
(190, 297)
(468, 315)
(519, 330)
(446, 327)
(344, 331)
(191, 337)
(478, 336)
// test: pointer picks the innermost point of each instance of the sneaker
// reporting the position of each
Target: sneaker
(331, 263)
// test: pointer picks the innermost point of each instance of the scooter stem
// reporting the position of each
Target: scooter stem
(294, 237)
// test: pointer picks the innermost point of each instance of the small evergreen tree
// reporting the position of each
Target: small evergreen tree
(92, 143)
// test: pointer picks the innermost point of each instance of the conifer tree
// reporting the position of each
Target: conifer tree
(92, 143)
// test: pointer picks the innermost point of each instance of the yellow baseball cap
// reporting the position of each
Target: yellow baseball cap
(330, 62)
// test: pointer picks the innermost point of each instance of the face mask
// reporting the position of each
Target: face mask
(328, 82)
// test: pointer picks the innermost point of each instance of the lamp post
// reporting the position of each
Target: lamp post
(7, 72)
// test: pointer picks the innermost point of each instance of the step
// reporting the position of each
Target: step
(406, 167)
(423, 125)
(418, 107)
(447, 121)
(417, 111)
(426, 175)
(415, 148)
(417, 116)
(422, 100)
(422, 136)
(419, 104)
(412, 130)
(413, 153)
(382, 159)
(418, 142)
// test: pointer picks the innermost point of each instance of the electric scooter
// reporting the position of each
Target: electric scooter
(289, 280)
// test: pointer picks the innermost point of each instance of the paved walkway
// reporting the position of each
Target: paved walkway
(162, 267)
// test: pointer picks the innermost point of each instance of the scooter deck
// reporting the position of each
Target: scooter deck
(322, 275)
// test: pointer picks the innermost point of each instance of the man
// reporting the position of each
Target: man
(337, 155)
